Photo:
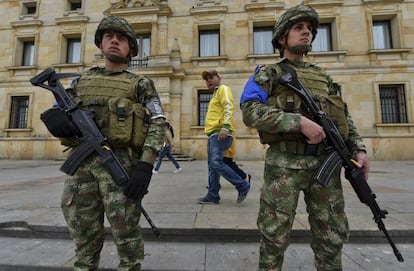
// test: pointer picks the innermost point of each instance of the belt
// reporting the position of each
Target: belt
(301, 148)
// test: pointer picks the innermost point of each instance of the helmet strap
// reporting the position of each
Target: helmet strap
(118, 59)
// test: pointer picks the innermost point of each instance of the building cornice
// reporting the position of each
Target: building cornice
(158, 10)
(208, 10)
(264, 6)
(26, 23)
(381, 1)
(323, 3)
(72, 19)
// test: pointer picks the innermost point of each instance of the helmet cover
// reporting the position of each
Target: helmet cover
(291, 16)
(119, 25)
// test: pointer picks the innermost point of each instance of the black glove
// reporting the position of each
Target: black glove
(138, 183)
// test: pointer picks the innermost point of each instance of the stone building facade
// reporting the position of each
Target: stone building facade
(366, 45)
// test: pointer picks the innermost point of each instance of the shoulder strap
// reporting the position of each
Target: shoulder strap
(287, 68)
(295, 81)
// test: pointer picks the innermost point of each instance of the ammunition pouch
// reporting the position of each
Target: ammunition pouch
(122, 121)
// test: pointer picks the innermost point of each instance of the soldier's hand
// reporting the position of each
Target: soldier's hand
(362, 159)
(313, 131)
(138, 183)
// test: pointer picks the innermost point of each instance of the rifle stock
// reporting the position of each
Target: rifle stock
(90, 138)
(338, 154)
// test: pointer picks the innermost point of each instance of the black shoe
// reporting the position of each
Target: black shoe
(205, 200)
(242, 195)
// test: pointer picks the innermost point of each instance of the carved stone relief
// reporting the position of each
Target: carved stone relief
(138, 3)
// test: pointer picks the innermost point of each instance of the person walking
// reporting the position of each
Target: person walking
(219, 128)
(296, 148)
(228, 159)
(166, 150)
(116, 96)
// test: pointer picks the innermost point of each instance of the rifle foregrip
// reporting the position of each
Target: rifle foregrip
(76, 158)
(328, 167)
(356, 177)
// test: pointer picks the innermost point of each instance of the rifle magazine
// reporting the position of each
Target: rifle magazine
(76, 158)
(328, 167)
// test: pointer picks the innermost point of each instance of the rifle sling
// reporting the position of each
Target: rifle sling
(292, 72)
(309, 149)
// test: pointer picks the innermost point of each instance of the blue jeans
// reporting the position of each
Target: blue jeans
(216, 168)
(166, 151)
(230, 162)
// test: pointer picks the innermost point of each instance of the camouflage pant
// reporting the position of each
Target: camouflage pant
(89, 194)
(325, 207)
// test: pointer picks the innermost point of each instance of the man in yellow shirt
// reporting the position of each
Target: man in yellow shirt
(219, 128)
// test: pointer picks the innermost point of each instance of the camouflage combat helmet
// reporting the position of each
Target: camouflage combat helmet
(291, 16)
(120, 25)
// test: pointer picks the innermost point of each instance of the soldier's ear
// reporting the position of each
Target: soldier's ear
(282, 40)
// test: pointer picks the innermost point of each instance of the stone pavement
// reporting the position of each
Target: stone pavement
(194, 236)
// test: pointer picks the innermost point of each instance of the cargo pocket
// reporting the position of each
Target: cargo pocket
(68, 195)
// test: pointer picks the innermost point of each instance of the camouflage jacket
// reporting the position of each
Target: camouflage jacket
(271, 119)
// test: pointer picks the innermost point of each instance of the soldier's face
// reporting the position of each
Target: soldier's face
(299, 34)
(116, 44)
(298, 40)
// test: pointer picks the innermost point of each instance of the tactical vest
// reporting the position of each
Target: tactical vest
(317, 84)
(113, 99)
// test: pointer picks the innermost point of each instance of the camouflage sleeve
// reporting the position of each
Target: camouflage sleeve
(153, 141)
(354, 141)
(268, 118)
(147, 93)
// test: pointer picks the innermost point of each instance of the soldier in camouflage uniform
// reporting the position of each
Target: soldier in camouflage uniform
(128, 112)
(296, 147)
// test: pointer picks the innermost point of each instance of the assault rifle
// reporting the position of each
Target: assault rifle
(87, 133)
(338, 155)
